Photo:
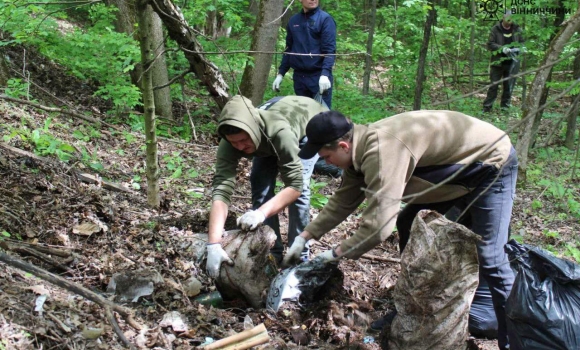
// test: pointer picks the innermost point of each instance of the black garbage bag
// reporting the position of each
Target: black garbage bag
(543, 307)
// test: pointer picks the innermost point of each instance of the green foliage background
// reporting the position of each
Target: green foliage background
(82, 38)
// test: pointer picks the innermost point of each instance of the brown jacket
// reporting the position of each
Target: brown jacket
(401, 158)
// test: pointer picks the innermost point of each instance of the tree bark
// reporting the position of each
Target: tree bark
(574, 109)
(369, 56)
(525, 136)
(179, 30)
(420, 79)
(125, 23)
(159, 75)
(557, 23)
(254, 80)
(147, 50)
(4, 72)
(472, 44)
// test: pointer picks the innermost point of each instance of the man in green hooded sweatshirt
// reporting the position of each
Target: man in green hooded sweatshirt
(271, 135)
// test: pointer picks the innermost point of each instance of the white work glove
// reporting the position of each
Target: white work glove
(506, 50)
(215, 256)
(327, 256)
(251, 220)
(323, 83)
(277, 82)
(294, 252)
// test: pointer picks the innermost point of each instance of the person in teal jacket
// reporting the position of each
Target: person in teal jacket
(270, 135)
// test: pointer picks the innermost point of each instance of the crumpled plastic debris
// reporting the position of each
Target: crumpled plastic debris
(131, 285)
(299, 282)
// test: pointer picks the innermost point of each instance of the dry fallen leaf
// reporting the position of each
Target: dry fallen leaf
(39, 289)
(86, 229)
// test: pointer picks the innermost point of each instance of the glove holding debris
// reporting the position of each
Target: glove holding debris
(215, 256)
(294, 252)
(327, 256)
(251, 220)
(323, 83)
(277, 82)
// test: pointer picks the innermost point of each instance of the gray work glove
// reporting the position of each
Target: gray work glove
(323, 83)
(506, 50)
(251, 220)
(277, 82)
(215, 256)
(294, 252)
(327, 256)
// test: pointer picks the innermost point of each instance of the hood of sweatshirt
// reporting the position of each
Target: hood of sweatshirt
(241, 113)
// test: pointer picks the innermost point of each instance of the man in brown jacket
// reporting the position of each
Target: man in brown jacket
(429, 159)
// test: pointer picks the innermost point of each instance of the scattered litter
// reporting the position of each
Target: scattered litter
(174, 320)
(368, 339)
(39, 304)
(131, 285)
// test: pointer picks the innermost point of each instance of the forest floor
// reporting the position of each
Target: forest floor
(95, 232)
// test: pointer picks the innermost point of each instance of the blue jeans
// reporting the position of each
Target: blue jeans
(489, 208)
(263, 182)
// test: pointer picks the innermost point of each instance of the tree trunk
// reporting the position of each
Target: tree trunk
(472, 44)
(210, 27)
(557, 23)
(525, 136)
(369, 56)
(146, 42)
(574, 109)
(159, 75)
(125, 23)
(4, 72)
(431, 15)
(254, 80)
(179, 30)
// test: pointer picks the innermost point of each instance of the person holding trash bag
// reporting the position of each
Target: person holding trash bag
(505, 41)
(429, 159)
(271, 134)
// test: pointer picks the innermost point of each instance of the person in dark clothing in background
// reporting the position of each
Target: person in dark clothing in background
(504, 39)
(310, 34)
(311, 45)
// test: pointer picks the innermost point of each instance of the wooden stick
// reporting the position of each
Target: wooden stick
(236, 338)
(51, 109)
(380, 258)
(250, 342)
(83, 177)
(70, 286)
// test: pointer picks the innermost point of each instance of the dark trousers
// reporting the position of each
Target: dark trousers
(489, 209)
(496, 73)
(306, 84)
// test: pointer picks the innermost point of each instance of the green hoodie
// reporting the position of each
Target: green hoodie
(276, 127)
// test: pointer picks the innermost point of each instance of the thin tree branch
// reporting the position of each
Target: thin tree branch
(70, 286)
(51, 109)
(173, 80)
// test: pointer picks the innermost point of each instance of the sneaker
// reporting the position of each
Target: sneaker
(379, 324)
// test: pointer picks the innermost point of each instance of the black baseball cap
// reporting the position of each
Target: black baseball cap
(324, 128)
